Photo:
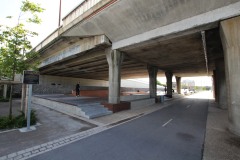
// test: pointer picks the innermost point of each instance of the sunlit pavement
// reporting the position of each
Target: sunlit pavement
(201, 95)
(175, 132)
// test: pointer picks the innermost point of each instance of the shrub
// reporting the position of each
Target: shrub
(3, 99)
(18, 121)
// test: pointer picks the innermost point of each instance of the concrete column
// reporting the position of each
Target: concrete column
(230, 37)
(169, 83)
(23, 97)
(178, 81)
(214, 85)
(114, 59)
(152, 71)
(221, 84)
(4, 91)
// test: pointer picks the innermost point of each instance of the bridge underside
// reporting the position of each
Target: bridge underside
(183, 56)
(181, 38)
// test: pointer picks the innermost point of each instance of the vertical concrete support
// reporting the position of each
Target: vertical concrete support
(214, 85)
(4, 91)
(114, 59)
(221, 84)
(178, 81)
(169, 83)
(152, 72)
(23, 96)
(230, 36)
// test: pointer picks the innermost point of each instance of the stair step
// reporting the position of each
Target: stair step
(94, 110)
(100, 114)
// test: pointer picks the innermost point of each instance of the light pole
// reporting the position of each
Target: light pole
(59, 20)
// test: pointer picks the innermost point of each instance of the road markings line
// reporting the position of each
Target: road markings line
(188, 106)
(167, 123)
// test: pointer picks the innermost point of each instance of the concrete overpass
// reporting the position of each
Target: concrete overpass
(114, 39)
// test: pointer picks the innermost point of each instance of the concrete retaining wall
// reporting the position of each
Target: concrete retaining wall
(133, 97)
(61, 107)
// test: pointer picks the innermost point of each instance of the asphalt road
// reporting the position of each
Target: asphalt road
(173, 133)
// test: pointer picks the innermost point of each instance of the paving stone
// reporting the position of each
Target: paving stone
(3, 158)
(27, 154)
(49, 146)
(18, 157)
(12, 155)
(21, 152)
(35, 151)
(42, 149)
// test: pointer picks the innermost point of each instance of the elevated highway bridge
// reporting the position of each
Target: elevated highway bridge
(112, 40)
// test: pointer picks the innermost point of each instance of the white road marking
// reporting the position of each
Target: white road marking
(167, 123)
(188, 106)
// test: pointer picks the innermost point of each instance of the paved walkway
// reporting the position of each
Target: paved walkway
(53, 125)
(231, 142)
(54, 131)
(173, 133)
(220, 144)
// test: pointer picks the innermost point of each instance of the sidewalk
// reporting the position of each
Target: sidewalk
(220, 144)
(53, 125)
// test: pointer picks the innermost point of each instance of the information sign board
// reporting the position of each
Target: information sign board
(30, 77)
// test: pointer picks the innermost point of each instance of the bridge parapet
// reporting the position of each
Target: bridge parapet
(83, 11)
(79, 10)
(47, 40)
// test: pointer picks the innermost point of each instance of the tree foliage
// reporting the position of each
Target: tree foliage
(14, 44)
(160, 84)
(14, 41)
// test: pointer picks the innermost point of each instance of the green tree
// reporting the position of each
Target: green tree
(14, 43)
(160, 84)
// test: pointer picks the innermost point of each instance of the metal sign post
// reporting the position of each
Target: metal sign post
(29, 106)
(29, 78)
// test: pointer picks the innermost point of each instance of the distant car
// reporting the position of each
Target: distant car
(186, 91)
(192, 91)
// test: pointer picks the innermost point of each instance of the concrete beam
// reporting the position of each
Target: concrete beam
(190, 25)
(230, 36)
(76, 49)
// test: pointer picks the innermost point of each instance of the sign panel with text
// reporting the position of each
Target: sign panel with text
(30, 77)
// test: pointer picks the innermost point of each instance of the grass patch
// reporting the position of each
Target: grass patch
(4, 99)
(18, 121)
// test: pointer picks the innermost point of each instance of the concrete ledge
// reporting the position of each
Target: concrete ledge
(142, 102)
(117, 107)
(58, 106)
(133, 97)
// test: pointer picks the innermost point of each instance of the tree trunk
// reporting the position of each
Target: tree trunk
(10, 102)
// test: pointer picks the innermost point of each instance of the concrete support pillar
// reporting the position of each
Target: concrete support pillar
(23, 102)
(214, 85)
(114, 59)
(178, 81)
(230, 37)
(220, 84)
(4, 91)
(152, 71)
(169, 83)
